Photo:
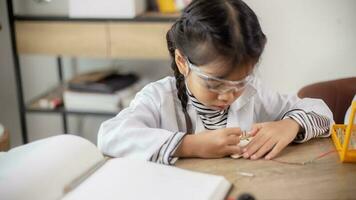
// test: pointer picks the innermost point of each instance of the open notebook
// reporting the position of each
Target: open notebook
(69, 167)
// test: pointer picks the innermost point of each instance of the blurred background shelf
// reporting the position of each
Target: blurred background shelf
(62, 110)
(34, 105)
(138, 38)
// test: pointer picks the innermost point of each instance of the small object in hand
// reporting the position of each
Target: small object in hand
(244, 135)
(244, 140)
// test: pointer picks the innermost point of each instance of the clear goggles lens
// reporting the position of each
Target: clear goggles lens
(220, 85)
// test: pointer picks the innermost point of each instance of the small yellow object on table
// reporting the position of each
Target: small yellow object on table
(344, 137)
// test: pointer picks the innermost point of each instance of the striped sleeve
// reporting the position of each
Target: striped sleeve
(313, 124)
(165, 153)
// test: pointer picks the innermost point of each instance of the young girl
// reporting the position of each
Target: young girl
(214, 97)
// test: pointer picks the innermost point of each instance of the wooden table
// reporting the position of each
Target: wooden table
(326, 178)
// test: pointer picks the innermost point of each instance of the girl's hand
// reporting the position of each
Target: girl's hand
(271, 137)
(211, 144)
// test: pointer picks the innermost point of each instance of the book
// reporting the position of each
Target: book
(107, 82)
(71, 168)
(91, 102)
(101, 102)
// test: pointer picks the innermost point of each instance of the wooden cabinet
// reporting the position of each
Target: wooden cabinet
(62, 38)
(138, 40)
(128, 40)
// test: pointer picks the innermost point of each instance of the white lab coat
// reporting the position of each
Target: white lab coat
(155, 114)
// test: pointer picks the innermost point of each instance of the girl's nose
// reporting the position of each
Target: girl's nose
(227, 96)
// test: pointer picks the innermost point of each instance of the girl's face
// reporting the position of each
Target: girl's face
(209, 91)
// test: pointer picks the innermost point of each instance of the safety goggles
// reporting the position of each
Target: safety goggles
(219, 85)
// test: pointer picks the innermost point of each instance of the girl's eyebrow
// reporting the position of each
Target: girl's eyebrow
(224, 75)
(219, 76)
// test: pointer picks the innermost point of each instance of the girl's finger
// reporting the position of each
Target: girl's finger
(276, 149)
(253, 141)
(264, 149)
(233, 149)
(255, 128)
(253, 132)
(233, 140)
(255, 145)
(233, 131)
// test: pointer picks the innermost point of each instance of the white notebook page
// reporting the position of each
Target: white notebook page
(132, 179)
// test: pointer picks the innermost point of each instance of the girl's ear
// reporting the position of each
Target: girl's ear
(181, 63)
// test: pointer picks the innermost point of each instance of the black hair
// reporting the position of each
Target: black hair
(211, 30)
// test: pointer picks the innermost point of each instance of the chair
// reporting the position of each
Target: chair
(337, 94)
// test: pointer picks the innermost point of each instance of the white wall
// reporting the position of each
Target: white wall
(308, 41)
(9, 114)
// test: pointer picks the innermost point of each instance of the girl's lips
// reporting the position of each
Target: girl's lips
(223, 107)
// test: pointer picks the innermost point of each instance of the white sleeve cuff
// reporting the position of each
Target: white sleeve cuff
(165, 154)
(314, 125)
